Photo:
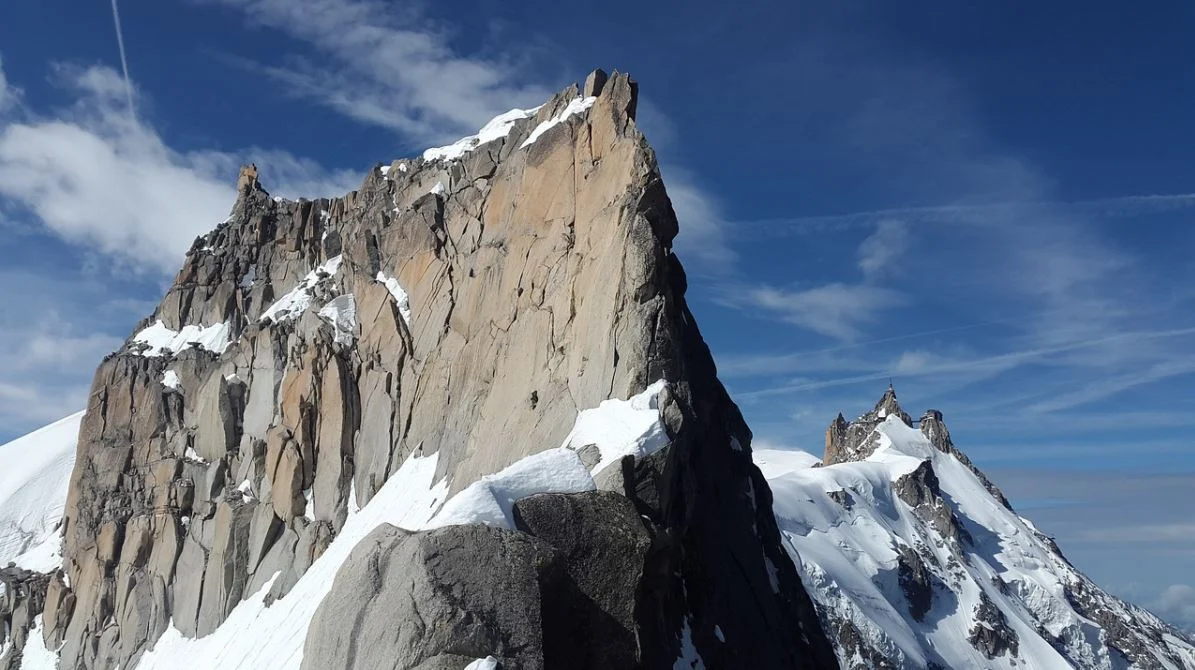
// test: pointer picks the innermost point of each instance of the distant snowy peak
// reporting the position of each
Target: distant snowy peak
(856, 440)
(916, 560)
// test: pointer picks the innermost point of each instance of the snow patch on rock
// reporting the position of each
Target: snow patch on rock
(490, 501)
(574, 107)
(341, 312)
(622, 427)
(400, 296)
(170, 380)
(160, 340)
(298, 299)
(35, 656)
(497, 128)
(689, 658)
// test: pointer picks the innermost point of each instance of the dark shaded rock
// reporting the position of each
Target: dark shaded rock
(842, 498)
(861, 655)
(590, 615)
(24, 598)
(920, 490)
(916, 583)
(991, 633)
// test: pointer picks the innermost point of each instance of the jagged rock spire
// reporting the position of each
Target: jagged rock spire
(222, 466)
(855, 440)
(888, 405)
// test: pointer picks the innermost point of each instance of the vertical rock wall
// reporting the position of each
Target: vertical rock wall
(467, 305)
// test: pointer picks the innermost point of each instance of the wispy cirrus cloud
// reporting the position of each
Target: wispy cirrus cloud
(98, 210)
(922, 364)
(1128, 208)
(879, 252)
(390, 66)
(93, 175)
(9, 95)
(835, 310)
(703, 232)
(1177, 604)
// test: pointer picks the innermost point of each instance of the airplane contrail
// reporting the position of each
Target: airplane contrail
(1122, 207)
(124, 61)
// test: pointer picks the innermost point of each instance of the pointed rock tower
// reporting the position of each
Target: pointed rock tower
(449, 319)
(855, 440)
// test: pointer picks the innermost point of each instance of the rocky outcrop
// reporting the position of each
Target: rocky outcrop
(467, 304)
(934, 428)
(920, 490)
(448, 596)
(22, 599)
(991, 634)
(606, 563)
(562, 593)
(856, 440)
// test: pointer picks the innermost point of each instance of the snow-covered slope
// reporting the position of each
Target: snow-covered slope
(35, 471)
(916, 561)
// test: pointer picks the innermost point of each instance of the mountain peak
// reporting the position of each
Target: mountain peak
(856, 440)
(965, 581)
(323, 373)
(888, 405)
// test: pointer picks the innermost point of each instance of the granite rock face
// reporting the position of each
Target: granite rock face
(467, 303)
(404, 600)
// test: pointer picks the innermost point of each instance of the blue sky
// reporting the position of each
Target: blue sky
(988, 203)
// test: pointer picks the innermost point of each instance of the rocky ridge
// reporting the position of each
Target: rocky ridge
(465, 305)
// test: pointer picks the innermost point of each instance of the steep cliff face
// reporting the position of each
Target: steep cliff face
(459, 309)
(917, 561)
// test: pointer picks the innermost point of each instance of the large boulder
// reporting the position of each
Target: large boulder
(604, 546)
(433, 599)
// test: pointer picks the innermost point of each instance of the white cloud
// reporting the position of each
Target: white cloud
(880, 251)
(913, 361)
(384, 65)
(1177, 604)
(702, 237)
(53, 332)
(9, 95)
(96, 177)
(834, 310)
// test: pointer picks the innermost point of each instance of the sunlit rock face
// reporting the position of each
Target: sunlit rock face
(456, 316)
